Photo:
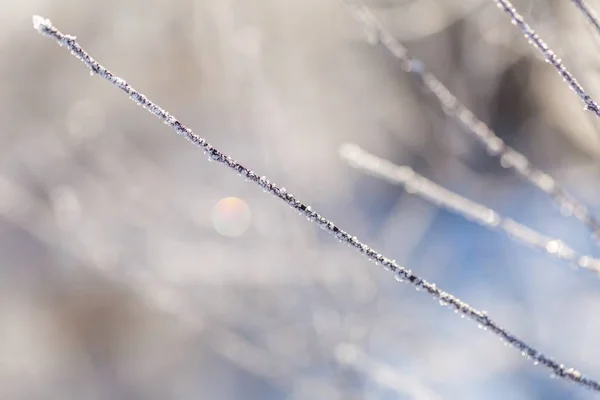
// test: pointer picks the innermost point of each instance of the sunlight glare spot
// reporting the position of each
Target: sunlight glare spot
(231, 216)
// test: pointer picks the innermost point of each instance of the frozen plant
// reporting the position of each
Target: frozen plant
(549, 55)
(45, 27)
(420, 186)
(509, 157)
(589, 13)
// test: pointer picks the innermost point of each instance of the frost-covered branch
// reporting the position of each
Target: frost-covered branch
(589, 13)
(548, 54)
(509, 157)
(46, 28)
(418, 185)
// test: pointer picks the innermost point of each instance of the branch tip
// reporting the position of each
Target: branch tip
(40, 23)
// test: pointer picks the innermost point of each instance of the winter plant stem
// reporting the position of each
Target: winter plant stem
(548, 54)
(46, 28)
(420, 186)
(589, 13)
(508, 157)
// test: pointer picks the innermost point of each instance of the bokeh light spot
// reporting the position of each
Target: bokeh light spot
(231, 216)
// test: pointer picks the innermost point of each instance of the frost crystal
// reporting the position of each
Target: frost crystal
(40, 23)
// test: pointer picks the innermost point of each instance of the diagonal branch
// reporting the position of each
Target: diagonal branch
(589, 13)
(46, 28)
(509, 157)
(548, 54)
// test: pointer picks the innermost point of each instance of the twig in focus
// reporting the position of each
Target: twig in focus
(45, 27)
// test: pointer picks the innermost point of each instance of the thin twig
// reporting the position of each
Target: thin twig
(548, 54)
(589, 13)
(418, 185)
(45, 27)
(509, 157)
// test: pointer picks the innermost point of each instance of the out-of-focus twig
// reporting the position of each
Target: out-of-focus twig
(416, 184)
(509, 157)
(350, 355)
(549, 55)
(589, 13)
